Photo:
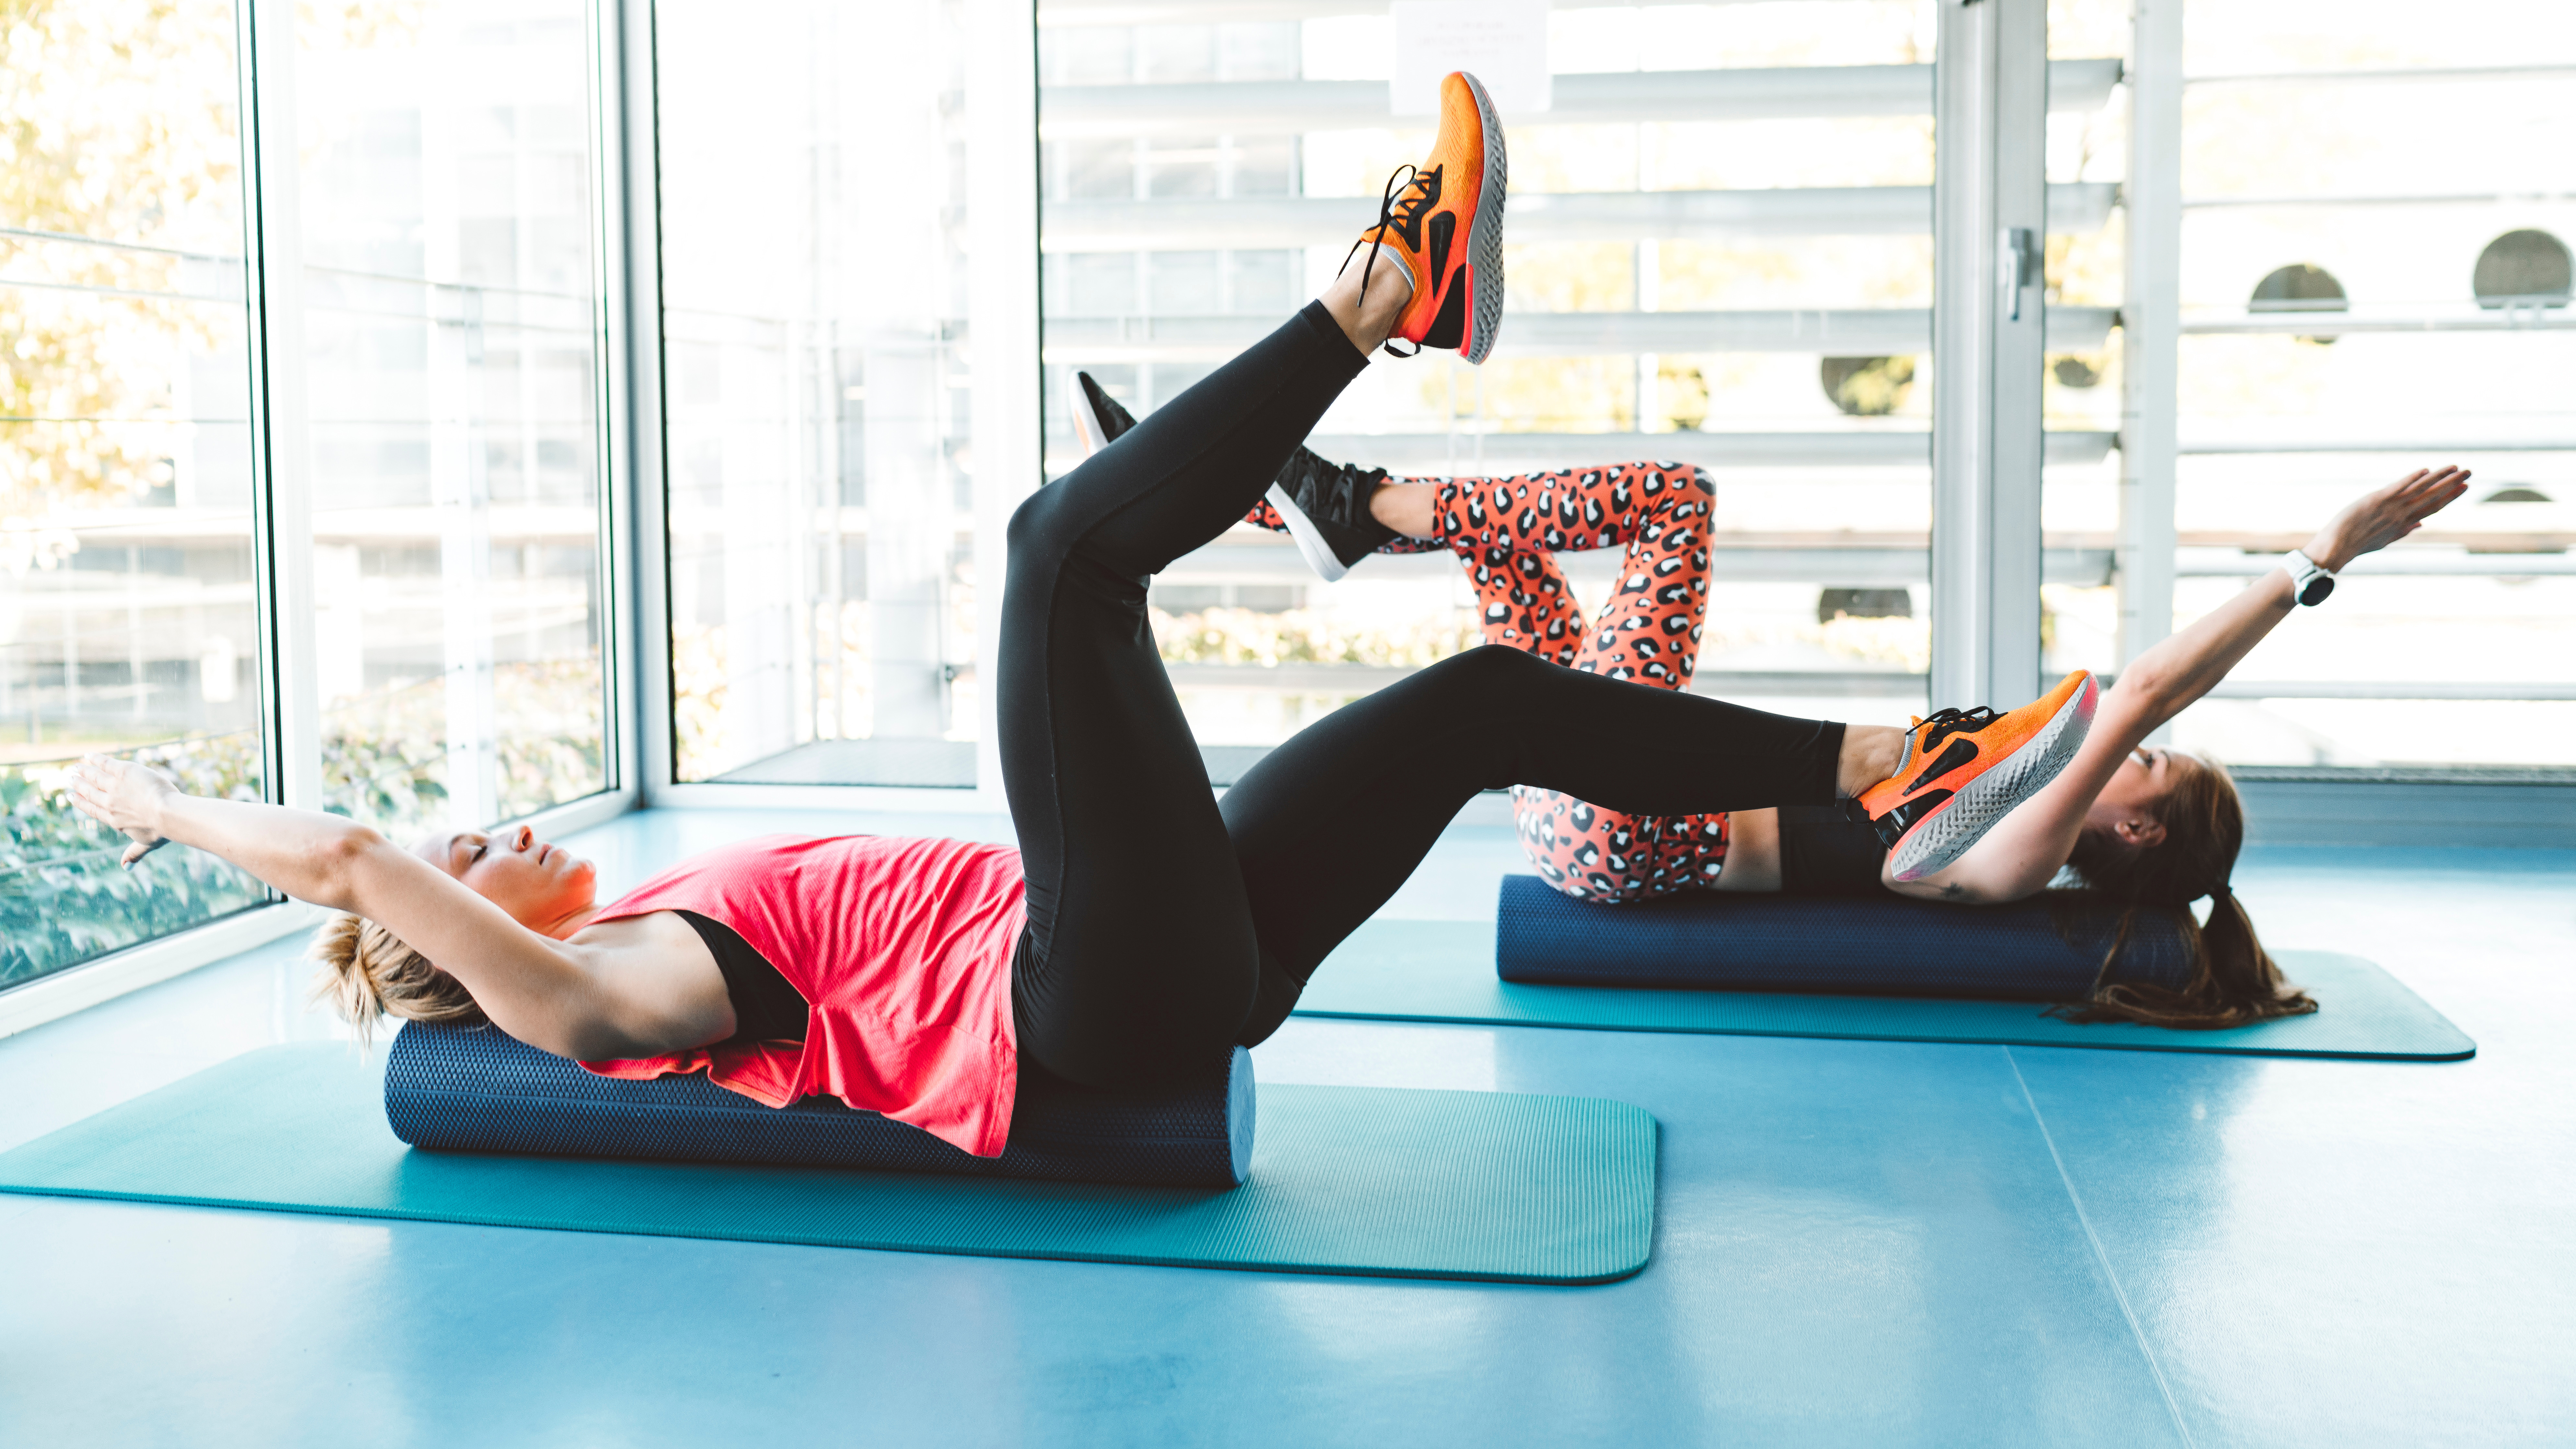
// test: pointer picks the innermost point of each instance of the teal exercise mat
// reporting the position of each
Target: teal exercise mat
(1444, 971)
(1354, 1180)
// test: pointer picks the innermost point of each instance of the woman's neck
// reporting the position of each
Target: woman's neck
(571, 925)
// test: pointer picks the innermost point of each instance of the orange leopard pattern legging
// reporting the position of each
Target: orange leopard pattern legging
(1507, 533)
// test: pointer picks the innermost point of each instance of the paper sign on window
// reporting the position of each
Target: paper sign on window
(1501, 42)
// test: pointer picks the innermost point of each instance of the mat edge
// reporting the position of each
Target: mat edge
(796, 1241)
(2182, 1048)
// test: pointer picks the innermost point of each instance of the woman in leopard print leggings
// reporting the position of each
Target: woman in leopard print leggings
(1507, 532)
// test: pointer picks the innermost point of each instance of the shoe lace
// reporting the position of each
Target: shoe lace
(1403, 201)
(1943, 723)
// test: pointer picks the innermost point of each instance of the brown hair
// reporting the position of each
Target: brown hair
(2231, 979)
(369, 972)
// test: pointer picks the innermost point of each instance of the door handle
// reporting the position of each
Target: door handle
(2020, 261)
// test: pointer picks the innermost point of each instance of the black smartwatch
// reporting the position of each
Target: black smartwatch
(2310, 581)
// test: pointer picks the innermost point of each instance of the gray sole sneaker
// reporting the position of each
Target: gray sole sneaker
(1940, 837)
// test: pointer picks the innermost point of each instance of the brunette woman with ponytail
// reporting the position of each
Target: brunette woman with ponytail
(2148, 829)
(2157, 830)
(2232, 979)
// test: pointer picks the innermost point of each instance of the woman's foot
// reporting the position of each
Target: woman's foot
(1442, 228)
(1981, 766)
(1326, 508)
(1333, 510)
(1097, 418)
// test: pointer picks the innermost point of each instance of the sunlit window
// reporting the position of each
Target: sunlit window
(453, 343)
(2403, 198)
(1722, 257)
(814, 392)
(127, 622)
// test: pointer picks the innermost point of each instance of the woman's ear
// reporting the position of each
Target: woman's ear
(2140, 832)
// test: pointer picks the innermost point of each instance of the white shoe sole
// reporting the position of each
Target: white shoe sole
(1319, 554)
(1940, 838)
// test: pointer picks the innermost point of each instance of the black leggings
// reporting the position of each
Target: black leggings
(1163, 928)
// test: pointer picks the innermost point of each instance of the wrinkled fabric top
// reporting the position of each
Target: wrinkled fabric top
(902, 950)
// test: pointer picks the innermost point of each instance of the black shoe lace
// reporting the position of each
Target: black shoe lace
(1940, 724)
(1400, 202)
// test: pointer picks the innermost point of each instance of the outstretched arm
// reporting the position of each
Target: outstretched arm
(2026, 849)
(539, 990)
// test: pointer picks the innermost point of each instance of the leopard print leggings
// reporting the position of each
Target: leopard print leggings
(1507, 533)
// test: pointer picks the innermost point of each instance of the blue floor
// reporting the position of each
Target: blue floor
(1860, 1243)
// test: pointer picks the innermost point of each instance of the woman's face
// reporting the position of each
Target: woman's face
(544, 887)
(2131, 805)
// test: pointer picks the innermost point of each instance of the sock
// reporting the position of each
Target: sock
(1393, 262)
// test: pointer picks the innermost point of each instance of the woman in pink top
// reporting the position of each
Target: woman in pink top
(1141, 928)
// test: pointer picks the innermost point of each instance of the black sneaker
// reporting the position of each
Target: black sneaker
(1326, 508)
(1097, 417)
(1324, 504)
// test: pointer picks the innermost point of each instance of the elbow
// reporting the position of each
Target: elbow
(2152, 691)
(2142, 680)
(334, 864)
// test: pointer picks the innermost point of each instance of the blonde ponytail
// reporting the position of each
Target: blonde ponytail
(369, 972)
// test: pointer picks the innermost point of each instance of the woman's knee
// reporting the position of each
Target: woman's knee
(1033, 524)
(1490, 668)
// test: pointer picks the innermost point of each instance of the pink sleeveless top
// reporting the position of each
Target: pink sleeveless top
(902, 950)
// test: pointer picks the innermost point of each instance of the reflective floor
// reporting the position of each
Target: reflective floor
(1859, 1243)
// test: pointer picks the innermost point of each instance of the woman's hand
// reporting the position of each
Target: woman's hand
(2377, 520)
(123, 796)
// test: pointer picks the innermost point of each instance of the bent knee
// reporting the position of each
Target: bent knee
(1495, 666)
(1033, 523)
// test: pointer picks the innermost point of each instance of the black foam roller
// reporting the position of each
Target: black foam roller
(2032, 950)
(456, 1089)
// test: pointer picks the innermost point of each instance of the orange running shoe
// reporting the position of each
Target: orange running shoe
(1929, 814)
(1446, 221)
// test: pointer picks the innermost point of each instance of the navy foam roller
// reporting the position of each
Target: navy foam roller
(1887, 945)
(456, 1089)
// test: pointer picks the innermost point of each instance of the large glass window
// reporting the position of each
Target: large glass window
(815, 391)
(453, 345)
(2085, 275)
(2375, 277)
(1721, 255)
(127, 622)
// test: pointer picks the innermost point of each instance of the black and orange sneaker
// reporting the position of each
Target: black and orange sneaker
(1962, 771)
(1446, 221)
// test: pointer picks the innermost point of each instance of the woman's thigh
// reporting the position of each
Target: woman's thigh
(1140, 955)
(1648, 630)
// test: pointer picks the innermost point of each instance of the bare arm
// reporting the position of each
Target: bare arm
(2027, 848)
(551, 994)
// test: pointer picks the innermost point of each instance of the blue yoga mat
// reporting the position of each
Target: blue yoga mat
(1444, 971)
(1351, 1180)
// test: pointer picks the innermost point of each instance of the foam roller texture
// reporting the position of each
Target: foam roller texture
(458, 1089)
(2032, 950)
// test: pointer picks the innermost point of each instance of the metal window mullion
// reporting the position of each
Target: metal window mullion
(646, 535)
(1989, 179)
(2150, 327)
(619, 479)
(281, 437)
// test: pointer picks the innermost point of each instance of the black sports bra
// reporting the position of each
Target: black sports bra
(1824, 852)
(765, 1006)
